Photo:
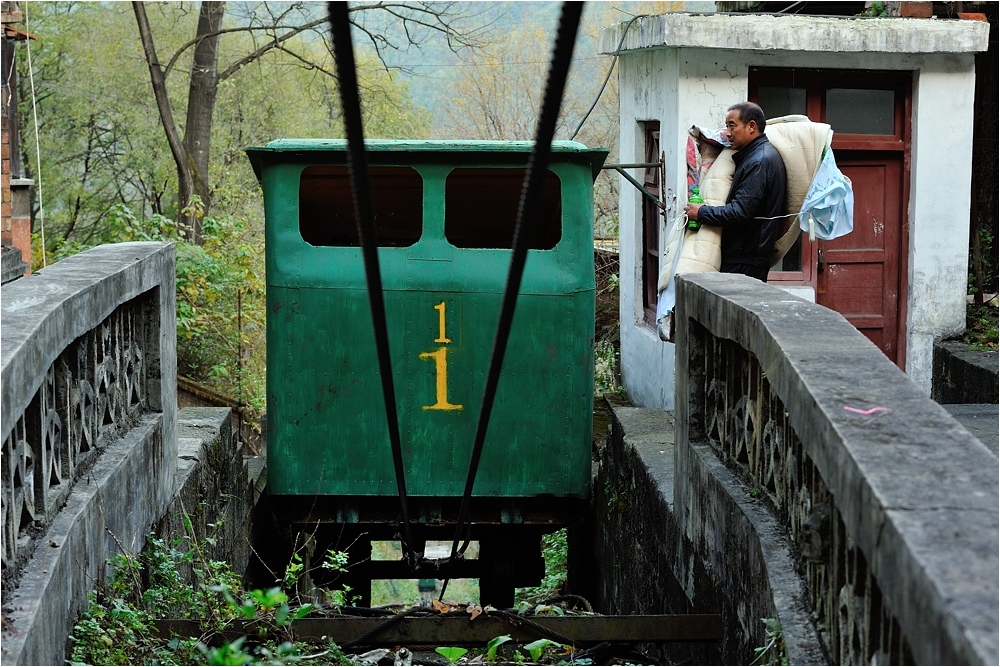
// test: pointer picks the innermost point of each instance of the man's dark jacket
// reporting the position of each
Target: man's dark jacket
(757, 192)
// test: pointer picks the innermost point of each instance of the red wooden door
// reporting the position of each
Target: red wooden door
(861, 275)
(858, 275)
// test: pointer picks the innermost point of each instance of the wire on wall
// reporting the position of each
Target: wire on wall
(608, 77)
(38, 150)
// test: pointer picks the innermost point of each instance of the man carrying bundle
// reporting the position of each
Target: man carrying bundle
(755, 208)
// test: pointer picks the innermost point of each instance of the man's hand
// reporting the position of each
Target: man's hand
(692, 211)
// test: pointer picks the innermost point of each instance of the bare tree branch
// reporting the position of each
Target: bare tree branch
(160, 93)
(249, 58)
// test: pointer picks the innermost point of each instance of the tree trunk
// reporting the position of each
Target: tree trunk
(202, 92)
(159, 81)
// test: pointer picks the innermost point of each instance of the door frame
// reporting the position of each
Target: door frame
(816, 81)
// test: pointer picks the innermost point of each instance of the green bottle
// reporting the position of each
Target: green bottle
(695, 198)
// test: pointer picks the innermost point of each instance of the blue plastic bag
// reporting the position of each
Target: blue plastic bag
(828, 209)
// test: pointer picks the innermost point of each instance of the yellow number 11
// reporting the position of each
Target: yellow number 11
(440, 357)
(441, 337)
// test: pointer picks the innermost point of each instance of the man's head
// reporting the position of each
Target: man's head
(744, 123)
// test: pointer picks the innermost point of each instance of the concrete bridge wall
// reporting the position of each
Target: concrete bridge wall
(89, 431)
(96, 455)
(801, 449)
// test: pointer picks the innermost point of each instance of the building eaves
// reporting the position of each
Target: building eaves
(771, 32)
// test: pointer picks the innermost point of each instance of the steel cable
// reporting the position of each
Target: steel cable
(340, 29)
(537, 166)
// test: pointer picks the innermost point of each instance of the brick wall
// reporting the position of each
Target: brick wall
(15, 196)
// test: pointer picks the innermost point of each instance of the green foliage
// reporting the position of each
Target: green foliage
(293, 571)
(100, 139)
(494, 644)
(118, 626)
(257, 603)
(537, 648)
(981, 331)
(875, 9)
(220, 299)
(335, 561)
(98, 147)
(554, 550)
(227, 654)
(773, 651)
(604, 368)
(451, 653)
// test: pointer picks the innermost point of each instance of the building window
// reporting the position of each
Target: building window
(650, 221)
(861, 111)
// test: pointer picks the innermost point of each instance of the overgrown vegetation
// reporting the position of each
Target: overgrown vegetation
(118, 628)
(981, 330)
(176, 581)
(220, 298)
(554, 551)
(606, 323)
(773, 651)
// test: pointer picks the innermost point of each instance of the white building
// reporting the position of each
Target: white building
(898, 93)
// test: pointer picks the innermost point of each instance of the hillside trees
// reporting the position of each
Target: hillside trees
(100, 144)
(108, 173)
(498, 95)
(294, 29)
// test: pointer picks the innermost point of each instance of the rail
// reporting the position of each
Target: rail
(892, 507)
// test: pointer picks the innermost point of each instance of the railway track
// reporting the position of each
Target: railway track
(580, 638)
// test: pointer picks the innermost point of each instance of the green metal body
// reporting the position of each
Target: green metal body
(327, 433)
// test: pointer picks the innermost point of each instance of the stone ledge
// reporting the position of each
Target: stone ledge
(963, 374)
(979, 419)
(638, 534)
(110, 508)
(214, 487)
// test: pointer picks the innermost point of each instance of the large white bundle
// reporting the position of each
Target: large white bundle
(800, 142)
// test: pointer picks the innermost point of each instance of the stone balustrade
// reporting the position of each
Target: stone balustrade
(891, 506)
(88, 359)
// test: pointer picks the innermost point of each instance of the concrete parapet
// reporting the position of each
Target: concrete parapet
(88, 352)
(110, 510)
(214, 487)
(890, 504)
(88, 391)
(963, 374)
(654, 569)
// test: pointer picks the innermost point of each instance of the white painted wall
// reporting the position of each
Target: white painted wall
(683, 71)
(940, 178)
(648, 91)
